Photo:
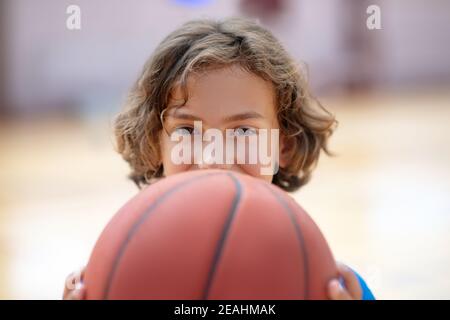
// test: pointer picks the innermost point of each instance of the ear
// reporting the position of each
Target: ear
(286, 144)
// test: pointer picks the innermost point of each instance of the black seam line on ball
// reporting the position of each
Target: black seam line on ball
(134, 228)
(221, 243)
(299, 235)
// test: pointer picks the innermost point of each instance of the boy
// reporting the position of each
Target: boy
(233, 76)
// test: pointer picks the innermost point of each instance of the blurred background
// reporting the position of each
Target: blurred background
(383, 202)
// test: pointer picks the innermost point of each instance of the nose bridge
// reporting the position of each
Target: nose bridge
(212, 154)
(207, 159)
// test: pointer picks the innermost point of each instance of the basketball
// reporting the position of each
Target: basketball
(210, 234)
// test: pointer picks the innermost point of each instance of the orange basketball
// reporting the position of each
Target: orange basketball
(210, 234)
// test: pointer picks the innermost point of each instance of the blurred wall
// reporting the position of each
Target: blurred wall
(415, 46)
(49, 68)
(3, 107)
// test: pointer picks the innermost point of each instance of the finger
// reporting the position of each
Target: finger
(75, 295)
(73, 281)
(351, 281)
(337, 292)
(69, 284)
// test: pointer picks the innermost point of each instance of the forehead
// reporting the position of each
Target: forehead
(217, 94)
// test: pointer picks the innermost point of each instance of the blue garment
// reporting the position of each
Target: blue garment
(367, 294)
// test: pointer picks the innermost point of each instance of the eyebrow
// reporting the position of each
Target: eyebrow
(184, 116)
(232, 118)
(244, 116)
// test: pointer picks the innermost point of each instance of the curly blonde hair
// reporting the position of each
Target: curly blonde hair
(200, 45)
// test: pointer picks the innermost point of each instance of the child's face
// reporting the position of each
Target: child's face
(227, 98)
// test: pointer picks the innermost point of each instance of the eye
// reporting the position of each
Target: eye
(186, 131)
(244, 131)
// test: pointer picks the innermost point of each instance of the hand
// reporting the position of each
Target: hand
(352, 289)
(74, 288)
